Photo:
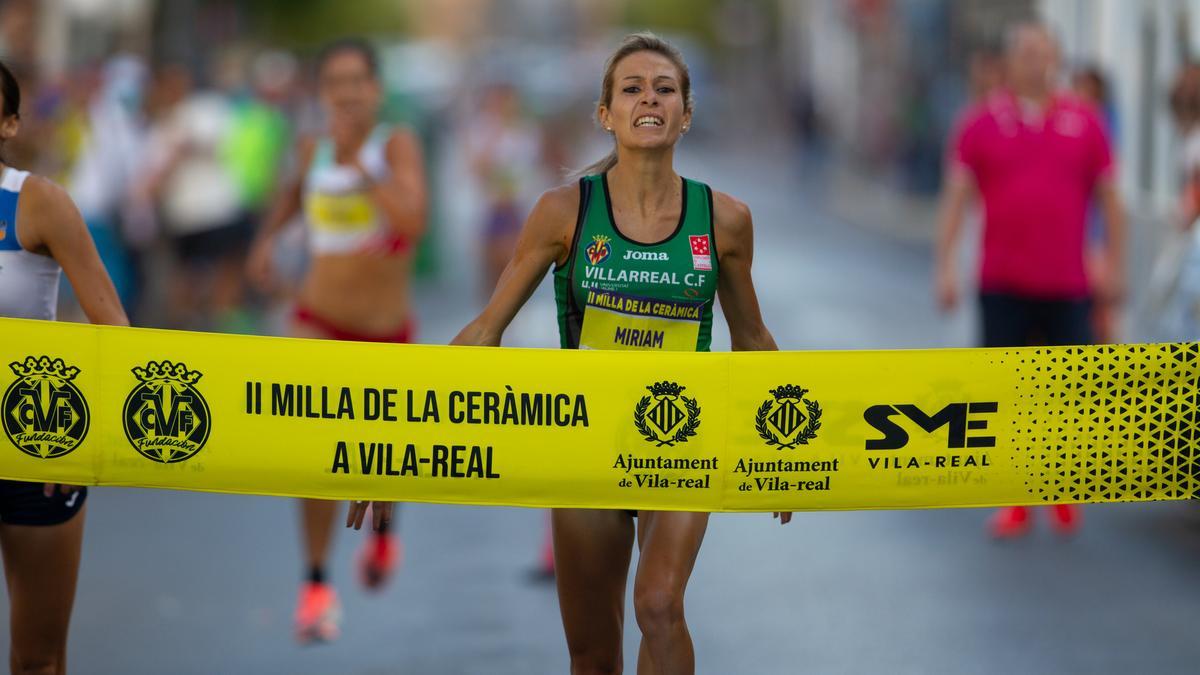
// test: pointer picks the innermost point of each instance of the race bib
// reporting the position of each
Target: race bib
(340, 213)
(616, 321)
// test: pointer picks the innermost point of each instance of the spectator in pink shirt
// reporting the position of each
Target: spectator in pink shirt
(1037, 158)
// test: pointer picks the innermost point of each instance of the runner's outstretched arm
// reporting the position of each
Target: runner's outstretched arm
(54, 224)
(286, 205)
(50, 221)
(735, 285)
(545, 239)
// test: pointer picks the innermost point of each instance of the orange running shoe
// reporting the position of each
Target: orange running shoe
(1009, 522)
(1066, 518)
(318, 614)
(378, 560)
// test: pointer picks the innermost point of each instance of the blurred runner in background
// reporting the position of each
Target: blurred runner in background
(1037, 158)
(362, 190)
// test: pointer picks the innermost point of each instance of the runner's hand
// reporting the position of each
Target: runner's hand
(48, 489)
(381, 514)
(260, 264)
(784, 517)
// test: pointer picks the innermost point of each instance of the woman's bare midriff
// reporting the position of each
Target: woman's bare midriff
(365, 294)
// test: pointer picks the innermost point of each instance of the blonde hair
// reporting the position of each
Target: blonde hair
(632, 44)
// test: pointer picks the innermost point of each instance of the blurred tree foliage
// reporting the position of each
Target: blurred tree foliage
(306, 24)
(693, 17)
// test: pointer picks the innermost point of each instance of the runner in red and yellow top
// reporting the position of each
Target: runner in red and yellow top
(362, 192)
(639, 256)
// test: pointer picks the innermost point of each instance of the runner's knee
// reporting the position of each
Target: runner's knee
(658, 609)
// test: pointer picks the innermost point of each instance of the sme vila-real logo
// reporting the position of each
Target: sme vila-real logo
(789, 419)
(45, 414)
(666, 416)
(166, 418)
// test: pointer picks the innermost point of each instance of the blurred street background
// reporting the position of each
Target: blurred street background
(831, 119)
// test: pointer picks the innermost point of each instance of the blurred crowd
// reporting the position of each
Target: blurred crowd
(170, 170)
(174, 168)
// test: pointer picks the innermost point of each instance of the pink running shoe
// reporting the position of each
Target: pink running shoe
(378, 560)
(318, 614)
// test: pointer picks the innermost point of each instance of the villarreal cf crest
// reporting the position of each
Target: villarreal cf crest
(599, 250)
(44, 414)
(166, 418)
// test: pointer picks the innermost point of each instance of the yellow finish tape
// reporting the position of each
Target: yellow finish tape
(632, 430)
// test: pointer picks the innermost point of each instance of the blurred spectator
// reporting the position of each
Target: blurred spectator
(1037, 159)
(259, 131)
(105, 143)
(1183, 251)
(808, 129)
(1091, 85)
(507, 157)
(193, 175)
(1185, 108)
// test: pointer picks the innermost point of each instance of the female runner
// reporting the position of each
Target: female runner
(362, 190)
(41, 527)
(632, 201)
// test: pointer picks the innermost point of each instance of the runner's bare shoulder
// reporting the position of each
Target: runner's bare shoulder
(46, 214)
(731, 221)
(554, 215)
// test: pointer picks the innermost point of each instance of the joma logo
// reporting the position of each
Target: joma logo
(647, 255)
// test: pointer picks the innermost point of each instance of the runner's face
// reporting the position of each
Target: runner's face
(347, 88)
(647, 107)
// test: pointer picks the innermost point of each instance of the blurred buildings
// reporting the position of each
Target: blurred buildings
(1143, 45)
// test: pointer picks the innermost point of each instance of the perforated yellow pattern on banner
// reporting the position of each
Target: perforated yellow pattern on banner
(632, 430)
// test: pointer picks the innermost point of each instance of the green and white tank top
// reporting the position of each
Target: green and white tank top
(616, 293)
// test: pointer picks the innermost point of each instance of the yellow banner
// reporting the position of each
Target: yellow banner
(632, 430)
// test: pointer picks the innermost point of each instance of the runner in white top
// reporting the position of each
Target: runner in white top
(41, 527)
